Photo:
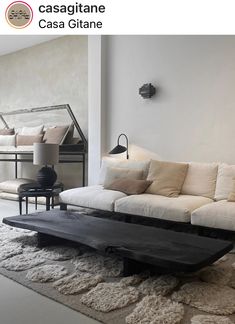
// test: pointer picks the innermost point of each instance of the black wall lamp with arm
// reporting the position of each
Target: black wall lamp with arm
(120, 148)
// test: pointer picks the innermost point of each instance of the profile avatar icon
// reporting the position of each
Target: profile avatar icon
(19, 14)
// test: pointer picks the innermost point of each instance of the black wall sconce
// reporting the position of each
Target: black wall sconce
(147, 91)
(120, 148)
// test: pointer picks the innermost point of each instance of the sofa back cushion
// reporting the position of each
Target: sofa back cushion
(128, 164)
(224, 183)
(201, 179)
(114, 174)
(167, 177)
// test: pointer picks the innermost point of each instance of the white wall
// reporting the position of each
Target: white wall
(96, 103)
(192, 117)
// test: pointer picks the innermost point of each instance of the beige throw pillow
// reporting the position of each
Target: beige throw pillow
(167, 177)
(108, 162)
(55, 135)
(130, 186)
(7, 131)
(22, 140)
(113, 174)
(231, 196)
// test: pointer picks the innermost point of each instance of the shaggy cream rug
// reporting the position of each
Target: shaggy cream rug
(46, 273)
(22, 261)
(59, 253)
(156, 310)
(161, 285)
(93, 284)
(208, 319)
(77, 283)
(106, 297)
(207, 297)
(94, 263)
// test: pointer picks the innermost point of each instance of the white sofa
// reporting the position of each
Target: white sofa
(202, 202)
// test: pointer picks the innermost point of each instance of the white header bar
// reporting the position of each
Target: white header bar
(118, 17)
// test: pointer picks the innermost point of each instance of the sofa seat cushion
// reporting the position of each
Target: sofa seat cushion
(91, 197)
(177, 209)
(220, 214)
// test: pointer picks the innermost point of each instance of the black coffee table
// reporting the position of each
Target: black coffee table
(166, 250)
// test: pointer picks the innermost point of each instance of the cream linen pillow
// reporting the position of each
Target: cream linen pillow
(231, 196)
(113, 174)
(36, 130)
(224, 183)
(167, 177)
(200, 180)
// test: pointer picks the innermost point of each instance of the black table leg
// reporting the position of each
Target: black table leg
(20, 204)
(84, 170)
(52, 201)
(47, 203)
(63, 206)
(131, 267)
(26, 204)
(36, 203)
(47, 240)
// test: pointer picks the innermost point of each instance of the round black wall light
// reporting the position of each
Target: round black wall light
(147, 91)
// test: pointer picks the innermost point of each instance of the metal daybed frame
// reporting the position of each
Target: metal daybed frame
(68, 153)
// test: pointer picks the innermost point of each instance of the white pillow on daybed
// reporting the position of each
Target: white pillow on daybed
(7, 140)
(36, 130)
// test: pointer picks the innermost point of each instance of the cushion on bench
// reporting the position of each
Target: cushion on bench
(12, 186)
(175, 209)
(220, 214)
(91, 197)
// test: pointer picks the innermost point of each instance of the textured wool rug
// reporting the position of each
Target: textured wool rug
(93, 284)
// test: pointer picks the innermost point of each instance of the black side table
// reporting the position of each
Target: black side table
(35, 190)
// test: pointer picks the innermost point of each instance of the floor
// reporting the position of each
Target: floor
(23, 306)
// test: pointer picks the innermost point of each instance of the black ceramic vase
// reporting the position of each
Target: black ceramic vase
(46, 177)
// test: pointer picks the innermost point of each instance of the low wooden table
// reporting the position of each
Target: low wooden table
(166, 250)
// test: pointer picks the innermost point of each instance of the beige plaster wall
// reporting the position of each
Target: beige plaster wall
(51, 73)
